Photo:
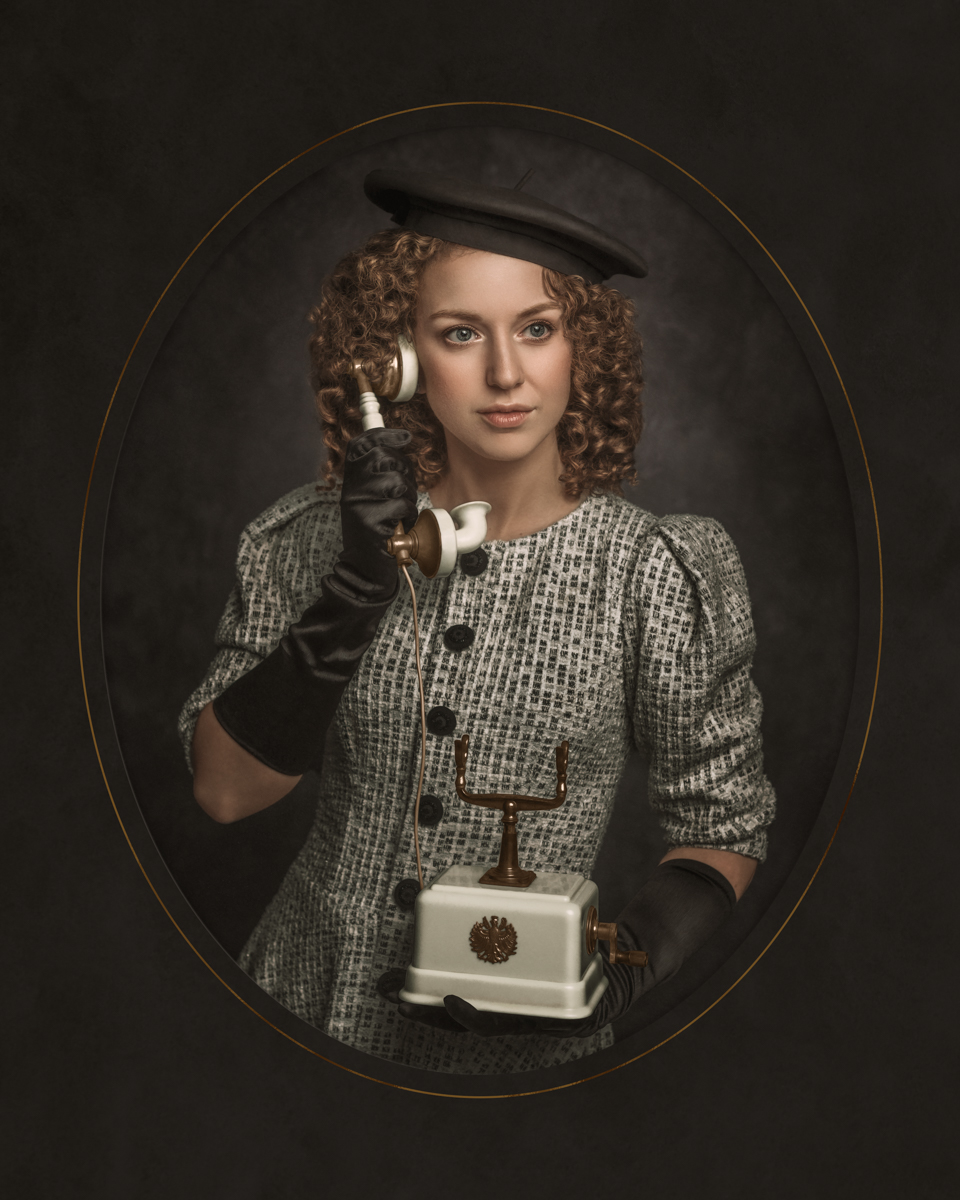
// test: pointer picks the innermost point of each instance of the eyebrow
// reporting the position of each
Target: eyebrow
(461, 315)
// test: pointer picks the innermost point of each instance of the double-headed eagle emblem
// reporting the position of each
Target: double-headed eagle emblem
(493, 942)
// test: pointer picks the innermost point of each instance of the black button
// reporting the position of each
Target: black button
(431, 810)
(390, 983)
(441, 720)
(474, 563)
(406, 892)
(458, 637)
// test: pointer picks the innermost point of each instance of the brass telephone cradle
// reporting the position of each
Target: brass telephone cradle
(508, 872)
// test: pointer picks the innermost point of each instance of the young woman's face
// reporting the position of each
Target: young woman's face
(493, 359)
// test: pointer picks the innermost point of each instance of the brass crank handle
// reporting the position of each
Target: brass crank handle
(606, 931)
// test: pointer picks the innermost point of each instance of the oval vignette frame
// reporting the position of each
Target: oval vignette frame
(90, 561)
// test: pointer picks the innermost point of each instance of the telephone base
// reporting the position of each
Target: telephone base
(506, 949)
(565, 1003)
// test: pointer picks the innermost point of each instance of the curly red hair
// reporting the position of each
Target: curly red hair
(371, 297)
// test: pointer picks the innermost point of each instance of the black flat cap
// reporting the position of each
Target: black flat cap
(503, 221)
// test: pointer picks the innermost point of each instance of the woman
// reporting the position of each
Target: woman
(581, 618)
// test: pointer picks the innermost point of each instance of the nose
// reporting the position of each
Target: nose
(504, 369)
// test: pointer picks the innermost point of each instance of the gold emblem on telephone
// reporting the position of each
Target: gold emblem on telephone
(492, 942)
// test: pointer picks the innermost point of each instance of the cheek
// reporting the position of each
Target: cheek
(446, 379)
(559, 379)
(442, 388)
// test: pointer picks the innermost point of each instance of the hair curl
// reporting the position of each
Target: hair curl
(371, 297)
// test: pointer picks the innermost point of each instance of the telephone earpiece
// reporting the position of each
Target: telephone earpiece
(438, 536)
(398, 382)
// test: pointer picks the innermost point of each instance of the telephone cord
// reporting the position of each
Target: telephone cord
(423, 727)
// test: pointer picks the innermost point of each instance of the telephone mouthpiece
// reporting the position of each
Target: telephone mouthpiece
(471, 521)
(439, 536)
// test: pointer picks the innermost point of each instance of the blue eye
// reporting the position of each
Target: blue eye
(539, 330)
(462, 334)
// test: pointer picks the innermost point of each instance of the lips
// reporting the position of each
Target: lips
(505, 418)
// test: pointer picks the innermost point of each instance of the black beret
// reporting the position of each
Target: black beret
(503, 221)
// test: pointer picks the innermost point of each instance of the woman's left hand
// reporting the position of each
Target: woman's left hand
(459, 1016)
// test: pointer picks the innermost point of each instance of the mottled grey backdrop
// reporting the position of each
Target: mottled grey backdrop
(736, 429)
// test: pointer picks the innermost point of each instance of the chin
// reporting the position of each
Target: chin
(503, 449)
(500, 445)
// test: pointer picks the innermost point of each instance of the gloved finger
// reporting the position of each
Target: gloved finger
(381, 463)
(367, 476)
(363, 449)
(488, 1024)
(371, 475)
(437, 1018)
(406, 513)
(377, 490)
(390, 437)
(395, 506)
(375, 438)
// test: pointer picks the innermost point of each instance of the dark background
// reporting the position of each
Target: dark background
(827, 1071)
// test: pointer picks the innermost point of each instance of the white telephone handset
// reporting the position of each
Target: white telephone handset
(438, 536)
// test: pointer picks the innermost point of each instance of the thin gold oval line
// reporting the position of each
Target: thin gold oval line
(664, 158)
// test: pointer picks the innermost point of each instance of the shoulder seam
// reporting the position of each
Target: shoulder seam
(287, 509)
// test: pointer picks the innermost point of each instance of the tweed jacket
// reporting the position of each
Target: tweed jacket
(612, 629)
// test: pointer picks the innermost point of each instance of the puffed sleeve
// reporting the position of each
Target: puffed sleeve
(696, 712)
(281, 557)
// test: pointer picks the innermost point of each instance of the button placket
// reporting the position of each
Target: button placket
(441, 719)
(459, 597)
(441, 722)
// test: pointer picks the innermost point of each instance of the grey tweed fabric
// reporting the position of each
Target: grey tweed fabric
(612, 629)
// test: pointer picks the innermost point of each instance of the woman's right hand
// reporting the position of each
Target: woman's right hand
(279, 711)
(379, 490)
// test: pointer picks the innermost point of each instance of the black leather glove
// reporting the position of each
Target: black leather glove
(280, 711)
(379, 489)
(679, 907)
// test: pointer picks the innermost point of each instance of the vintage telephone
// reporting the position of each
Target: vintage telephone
(502, 938)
